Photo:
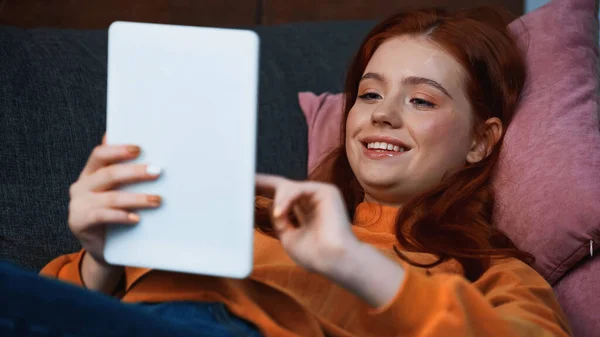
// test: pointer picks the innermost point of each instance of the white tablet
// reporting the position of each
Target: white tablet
(188, 97)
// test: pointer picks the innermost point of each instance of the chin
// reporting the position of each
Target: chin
(378, 179)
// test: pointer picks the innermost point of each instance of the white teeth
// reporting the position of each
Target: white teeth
(385, 146)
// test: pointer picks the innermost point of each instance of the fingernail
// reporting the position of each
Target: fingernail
(133, 149)
(154, 200)
(153, 170)
(133, 217)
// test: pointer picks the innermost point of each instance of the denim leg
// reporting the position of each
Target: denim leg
(31, 305)
(238, 326)
(213, 317)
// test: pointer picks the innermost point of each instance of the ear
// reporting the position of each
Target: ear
(484, 142)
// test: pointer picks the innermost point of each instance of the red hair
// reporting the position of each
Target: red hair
(452, 220)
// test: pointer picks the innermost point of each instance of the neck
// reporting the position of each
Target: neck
(371, 199)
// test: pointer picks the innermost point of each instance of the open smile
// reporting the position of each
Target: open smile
(379, 147)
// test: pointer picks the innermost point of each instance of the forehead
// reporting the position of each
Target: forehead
(405, 56)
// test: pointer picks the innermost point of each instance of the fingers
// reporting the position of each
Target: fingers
(90, 212)
(115, 207)
(126, 200)
(104, 155)
(103, 216)
(288, 197)
(294, 208)
(266, 184)
(274, 187)
(287, 193)
(115, 175)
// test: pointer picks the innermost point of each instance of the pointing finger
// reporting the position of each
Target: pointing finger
(267, 184)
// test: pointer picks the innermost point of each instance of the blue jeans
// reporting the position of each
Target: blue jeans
(31, 305)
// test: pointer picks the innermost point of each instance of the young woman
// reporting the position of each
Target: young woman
(391, 236)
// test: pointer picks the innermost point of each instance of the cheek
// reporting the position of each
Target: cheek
(354, 122)
(350, 122)
(350, 130)
(445, 134)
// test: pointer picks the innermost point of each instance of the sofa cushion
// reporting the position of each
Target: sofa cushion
(53, 95)
(546, 183)
(577, 293)
(324, 114)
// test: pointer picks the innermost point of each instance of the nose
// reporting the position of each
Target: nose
(387, 114)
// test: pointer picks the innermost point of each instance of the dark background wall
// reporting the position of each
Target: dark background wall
(94, 14)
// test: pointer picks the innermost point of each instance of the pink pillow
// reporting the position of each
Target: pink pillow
(577, 293)
(548, 178)
(324, 114)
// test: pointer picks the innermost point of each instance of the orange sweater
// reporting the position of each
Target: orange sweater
(283, 299)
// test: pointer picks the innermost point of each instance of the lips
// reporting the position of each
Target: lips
(385, 146)
(379, 147)
(384, 143)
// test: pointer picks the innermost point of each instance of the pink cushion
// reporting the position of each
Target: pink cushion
(323, 115)
(577, 293)
(548, 179)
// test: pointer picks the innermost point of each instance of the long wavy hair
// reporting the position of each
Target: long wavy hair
(452, 220)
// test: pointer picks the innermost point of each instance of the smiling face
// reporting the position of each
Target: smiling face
(411, 123)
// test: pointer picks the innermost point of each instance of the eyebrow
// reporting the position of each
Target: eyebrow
(411, 80)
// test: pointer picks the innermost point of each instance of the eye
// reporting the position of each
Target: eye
(421, 103)
(369, 96)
